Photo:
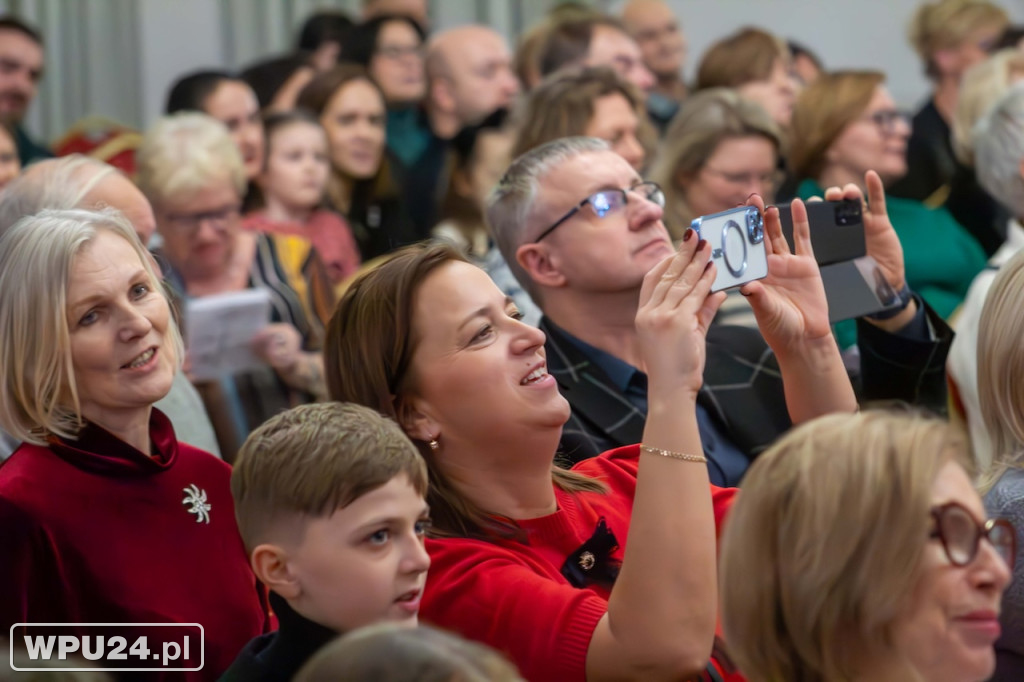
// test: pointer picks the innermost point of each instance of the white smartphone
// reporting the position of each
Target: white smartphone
(736, 238)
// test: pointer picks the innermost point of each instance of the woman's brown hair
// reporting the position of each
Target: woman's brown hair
(822, 112)
(315, 97)
(563, 106)
(706, 120)
(371, 341)
(744, 57)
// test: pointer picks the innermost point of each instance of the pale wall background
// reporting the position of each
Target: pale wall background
(116, 58)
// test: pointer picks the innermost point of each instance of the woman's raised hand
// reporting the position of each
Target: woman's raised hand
(676, 309)
(789, 304)
(879, 235)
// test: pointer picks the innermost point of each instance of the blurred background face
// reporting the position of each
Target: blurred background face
(877, 141)
(234, 104)
(950, 624)
(117, 191)
(615, 121)
(10, 165)
(975, 49)
(657, 33)
(491, 156)
(776, 94)
(482, 79)
(612, 48)
(738, 167)
(199, 229)
(21, 65)
(354, 121)
(804, 70)
(397, 64)
(297, 166)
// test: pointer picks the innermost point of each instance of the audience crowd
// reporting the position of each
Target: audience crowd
(406, 355)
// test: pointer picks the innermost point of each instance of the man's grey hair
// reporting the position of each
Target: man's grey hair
(510, 207)
(999, 149)
(54, 183)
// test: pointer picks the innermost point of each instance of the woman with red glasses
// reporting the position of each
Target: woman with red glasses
(859, 550)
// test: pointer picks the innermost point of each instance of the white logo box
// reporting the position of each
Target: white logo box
(53, 651)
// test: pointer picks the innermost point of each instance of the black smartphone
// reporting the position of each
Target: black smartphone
(837, 229)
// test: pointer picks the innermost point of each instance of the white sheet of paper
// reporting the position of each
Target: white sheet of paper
(220, 328)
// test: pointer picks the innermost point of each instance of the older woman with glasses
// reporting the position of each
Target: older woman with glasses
(192, 173)
(719, 149)
(845, 125)
(881, 565)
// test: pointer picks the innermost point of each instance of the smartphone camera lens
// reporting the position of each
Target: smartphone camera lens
(847, 213)
(755, 226)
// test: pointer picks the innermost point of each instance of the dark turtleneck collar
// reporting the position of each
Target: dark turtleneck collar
(277, 656)
(97, 450)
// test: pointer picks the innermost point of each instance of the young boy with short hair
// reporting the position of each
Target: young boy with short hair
(330, 504)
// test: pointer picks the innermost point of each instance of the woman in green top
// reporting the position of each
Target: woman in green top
(846, 124)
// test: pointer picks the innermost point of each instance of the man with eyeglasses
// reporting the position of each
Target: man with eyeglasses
(580, 230)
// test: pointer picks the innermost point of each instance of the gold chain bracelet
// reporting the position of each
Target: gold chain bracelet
(674, 455)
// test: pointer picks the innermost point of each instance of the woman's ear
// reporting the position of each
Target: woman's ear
(413, 415)
(270, 564)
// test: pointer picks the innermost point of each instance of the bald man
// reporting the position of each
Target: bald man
(78, 181)
(469, 76)
(656, 30)
(469, 71)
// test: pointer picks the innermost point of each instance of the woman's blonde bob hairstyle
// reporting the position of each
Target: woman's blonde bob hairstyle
(821, 114)
(39, 395)
(1001, 369)
(705, 120)
(825, 543)
(948, 24)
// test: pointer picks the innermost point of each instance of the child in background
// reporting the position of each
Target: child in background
(330, 504)
(293, 182)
